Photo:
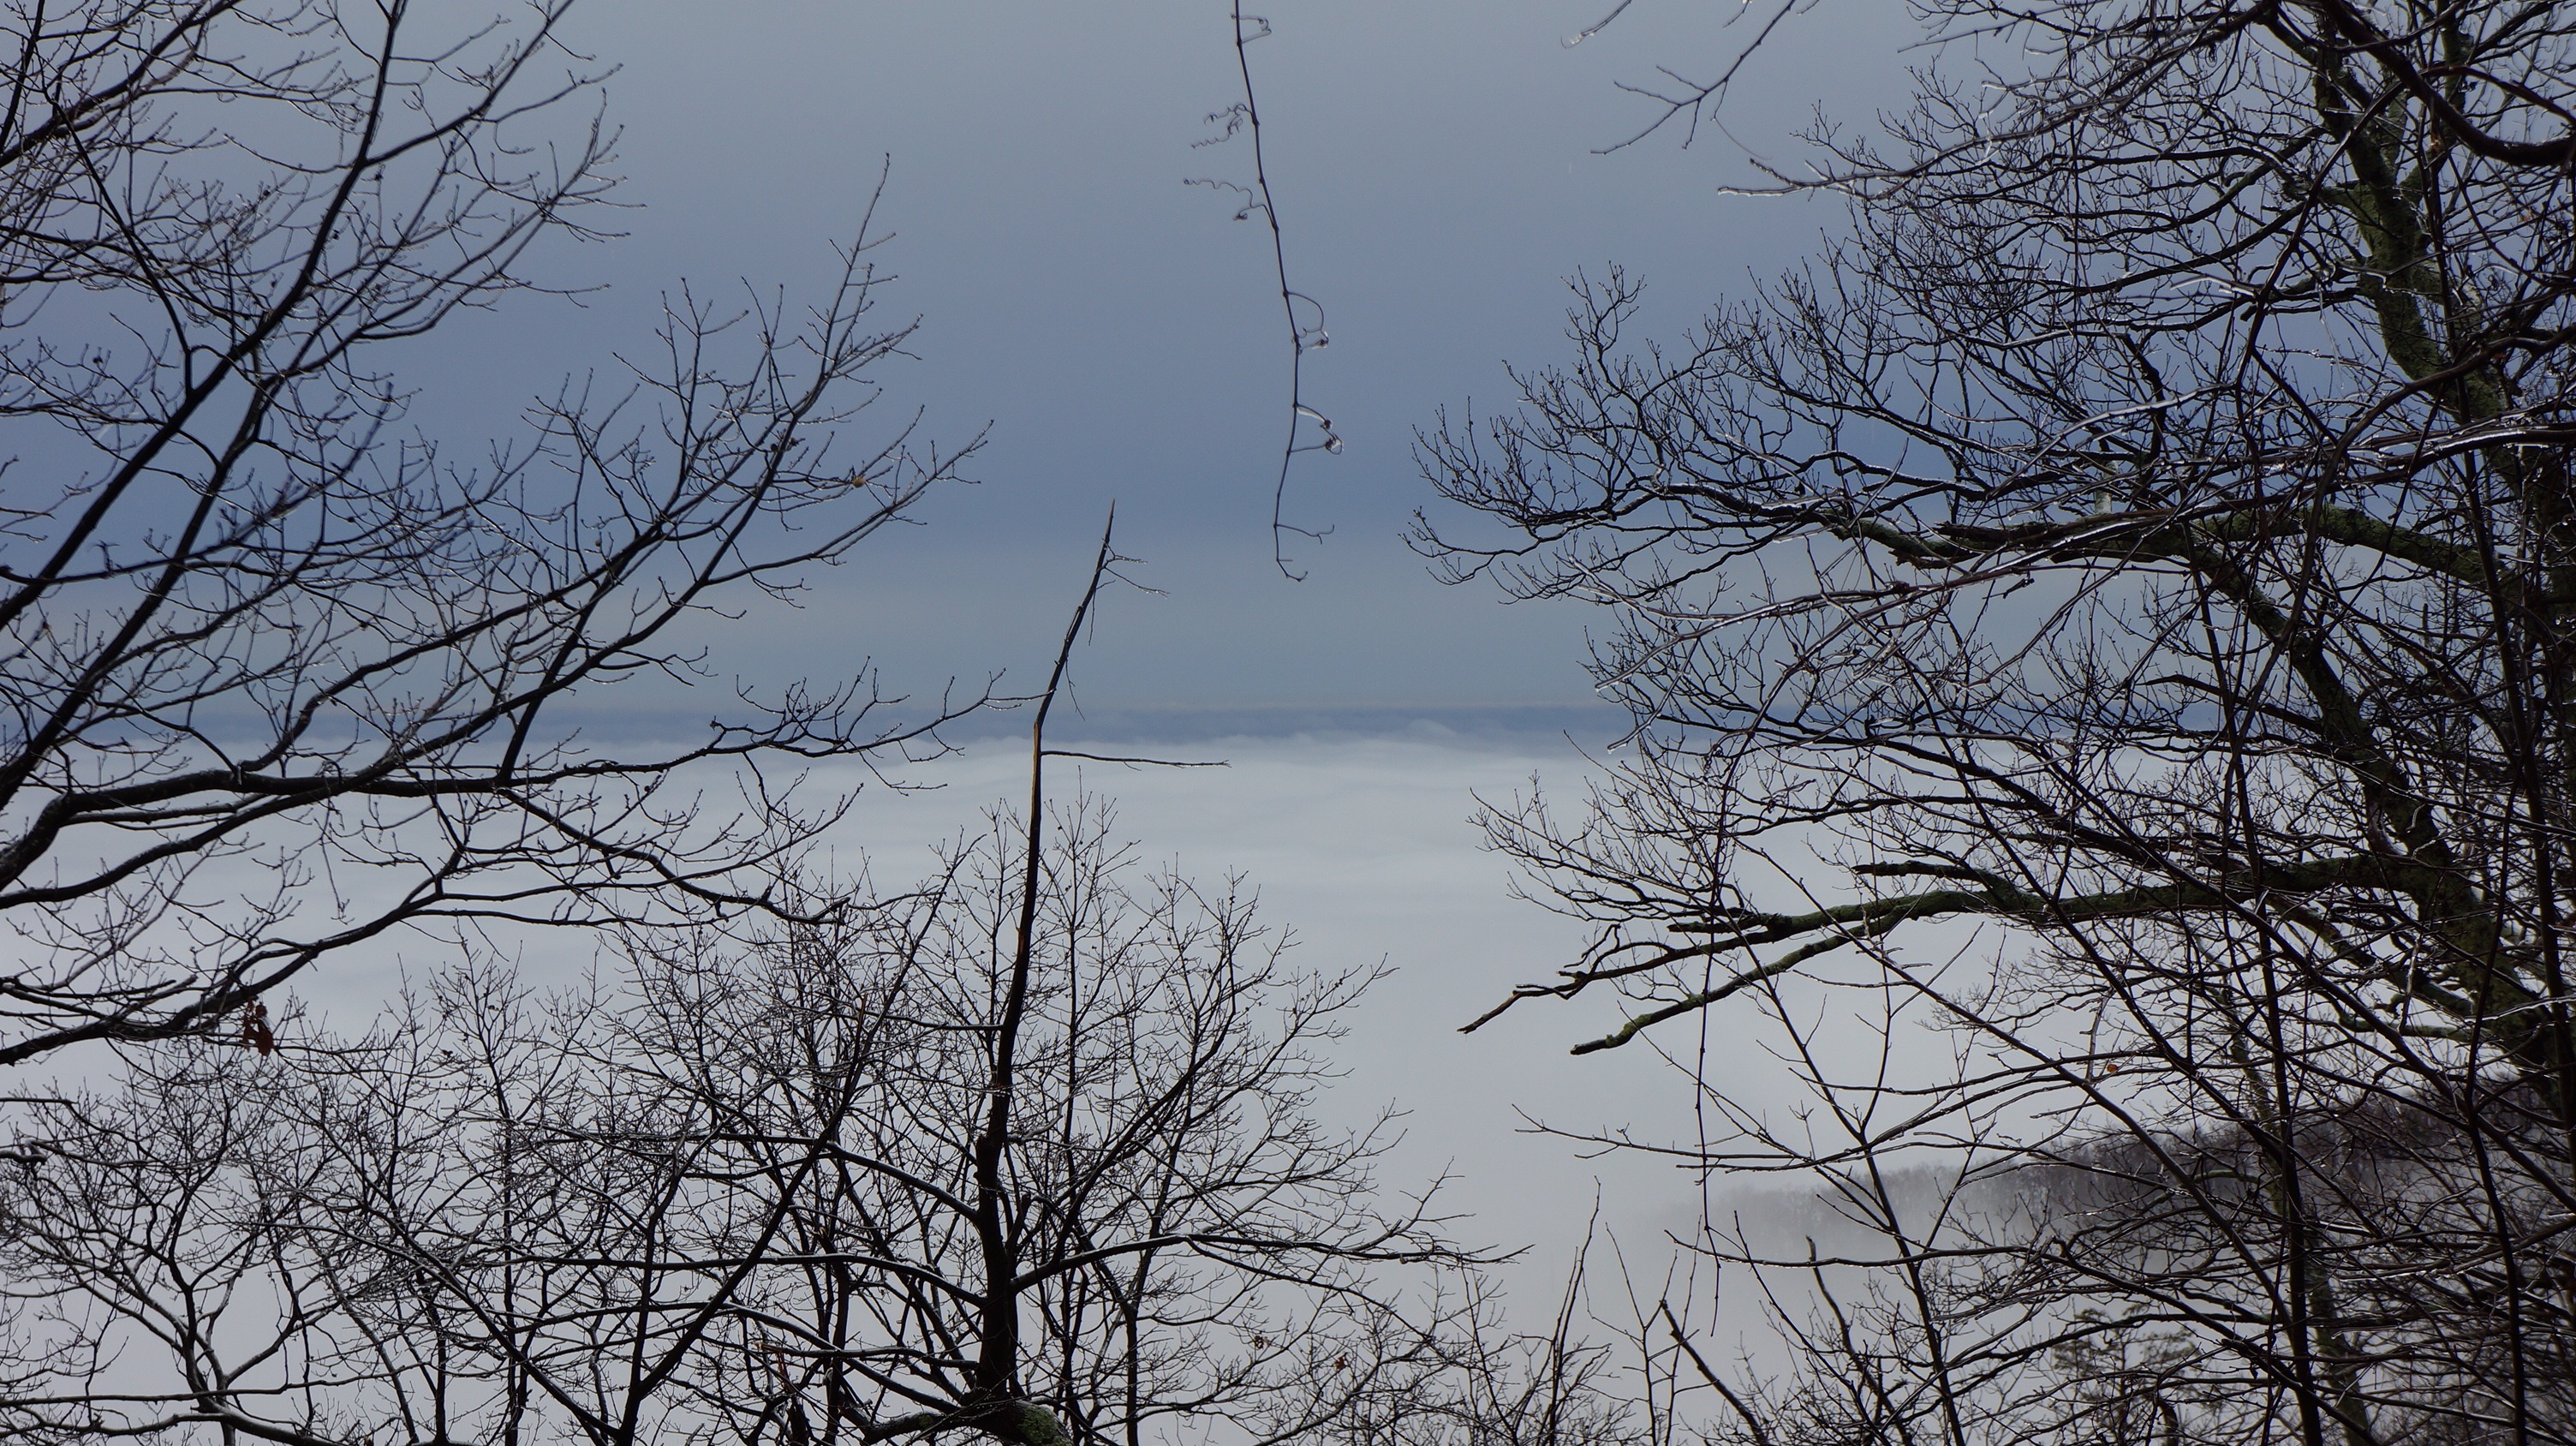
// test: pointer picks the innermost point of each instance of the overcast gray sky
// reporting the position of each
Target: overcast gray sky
(1435, 168)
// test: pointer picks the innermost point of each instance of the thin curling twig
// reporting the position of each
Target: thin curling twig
(1301, 337)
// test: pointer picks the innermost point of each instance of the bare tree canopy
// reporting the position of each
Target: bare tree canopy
(740, 1191)
(1029, 1151)
(2142, 544)
(280, 676)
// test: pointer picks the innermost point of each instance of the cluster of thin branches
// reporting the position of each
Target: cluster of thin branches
(743, 1190)
(278, 676)
(2102, 637)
